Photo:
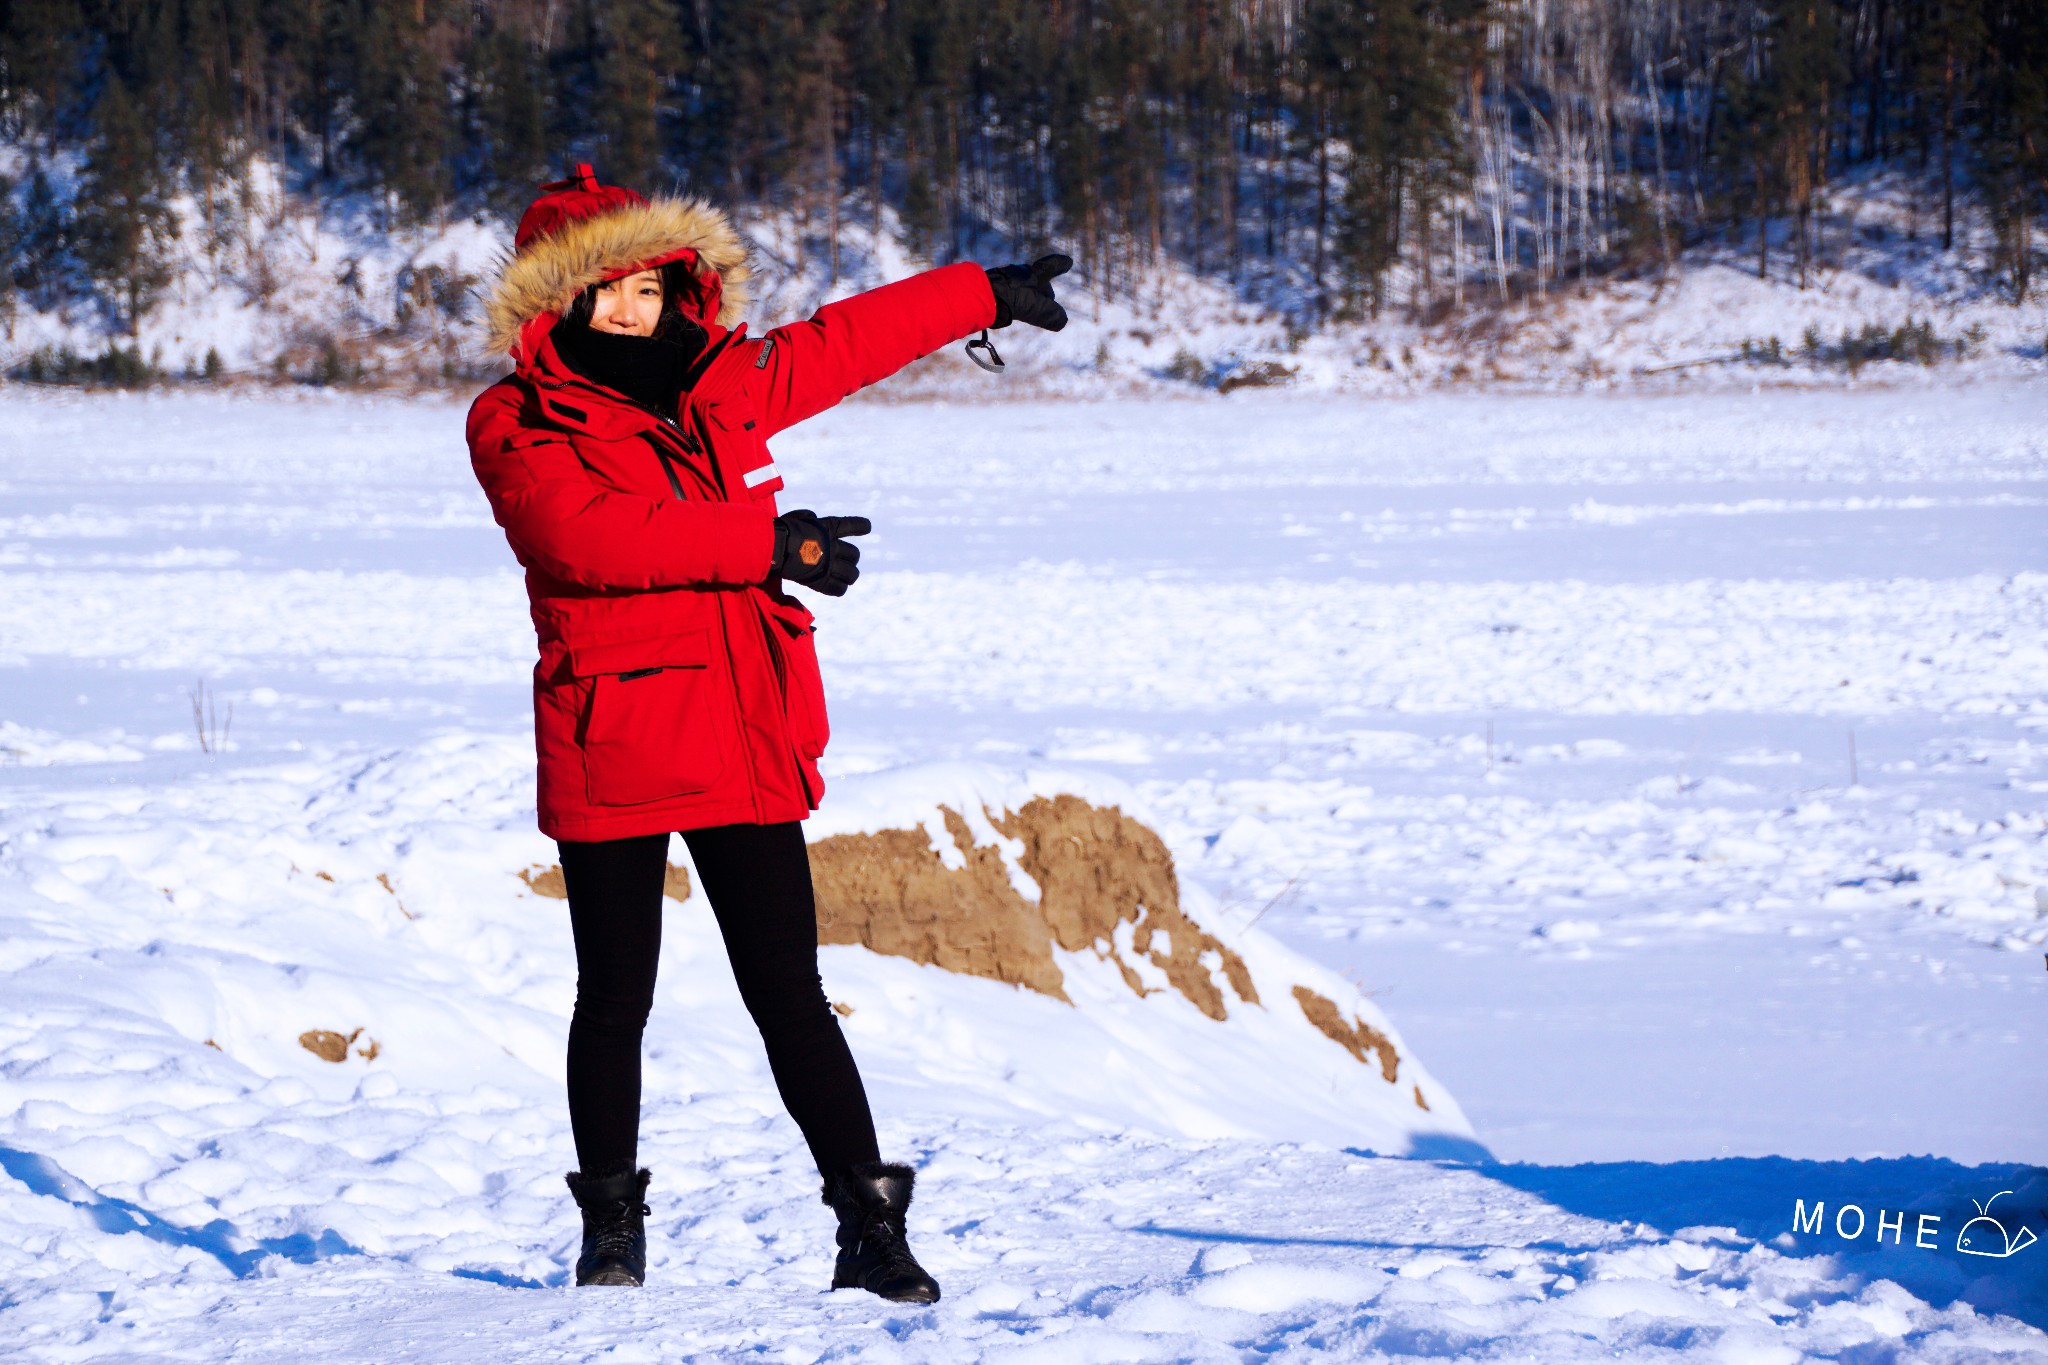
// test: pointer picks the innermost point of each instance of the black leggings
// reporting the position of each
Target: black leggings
(758, 879)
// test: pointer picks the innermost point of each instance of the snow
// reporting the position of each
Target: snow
(1664, 774)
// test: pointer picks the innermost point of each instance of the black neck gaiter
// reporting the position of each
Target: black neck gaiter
(648, 370)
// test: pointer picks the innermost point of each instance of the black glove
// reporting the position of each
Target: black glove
(816, 552)
(1024, 292)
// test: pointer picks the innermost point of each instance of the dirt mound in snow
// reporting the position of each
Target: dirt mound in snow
(330, 1046)
(1002, 894)
(547, 881)
(1353, 1035)
(1098, 869)
(1105, 884)
(891, 892)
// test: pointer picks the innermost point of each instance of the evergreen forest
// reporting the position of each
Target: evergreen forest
(1342, 156)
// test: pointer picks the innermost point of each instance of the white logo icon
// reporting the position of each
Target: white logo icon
(1986, 1236)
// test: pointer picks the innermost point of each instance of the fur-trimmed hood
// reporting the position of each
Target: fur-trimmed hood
(545, 277)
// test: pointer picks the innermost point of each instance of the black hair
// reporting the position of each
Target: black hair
(671, 326)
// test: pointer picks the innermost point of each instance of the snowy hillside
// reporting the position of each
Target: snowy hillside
(324, 293)
(1652, 784)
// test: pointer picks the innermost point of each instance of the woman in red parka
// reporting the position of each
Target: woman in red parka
(677, 689)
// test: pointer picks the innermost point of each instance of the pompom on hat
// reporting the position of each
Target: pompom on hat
(562, 202)
(578, 233)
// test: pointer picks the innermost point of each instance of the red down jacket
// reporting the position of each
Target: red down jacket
(676, 687)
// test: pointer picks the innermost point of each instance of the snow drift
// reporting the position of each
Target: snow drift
(1040, 954)
(1101, 984)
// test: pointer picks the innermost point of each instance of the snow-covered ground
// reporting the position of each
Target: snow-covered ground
(1672, 772)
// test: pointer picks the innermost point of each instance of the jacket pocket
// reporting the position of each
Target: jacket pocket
(803, 685)
(649, 733)
(743, 450)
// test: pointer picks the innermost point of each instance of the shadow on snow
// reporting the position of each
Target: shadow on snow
(218, 1239)
(1756, 1200)
(1922, 1204)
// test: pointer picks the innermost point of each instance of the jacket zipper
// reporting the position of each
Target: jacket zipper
(668, 467)
(668, 459)
(761, 623)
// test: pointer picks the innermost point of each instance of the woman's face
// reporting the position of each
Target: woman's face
(629, 307)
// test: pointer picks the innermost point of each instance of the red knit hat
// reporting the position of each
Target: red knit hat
(579, 233)
(563, 202)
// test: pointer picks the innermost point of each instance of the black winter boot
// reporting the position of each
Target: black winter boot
(871, 1199)
(614, 1228)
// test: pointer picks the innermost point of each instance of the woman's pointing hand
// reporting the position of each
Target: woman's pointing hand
(1024, 292)
(818, 552)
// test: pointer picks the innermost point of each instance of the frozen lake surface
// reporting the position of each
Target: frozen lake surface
(1672, 771)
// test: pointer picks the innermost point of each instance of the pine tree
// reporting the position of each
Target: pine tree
(205, 74)
(511, 95)
(402, 112)
(636, 51)
(40, 51)
(1948, 38)
(10, 244)
(1746, 152)
(40, 257)
(882, 92)
(1076, 98)
(308, 76)
(1807, 74)
(1387, 76)
(1772, 139)
(125, 232)
(2014, 145)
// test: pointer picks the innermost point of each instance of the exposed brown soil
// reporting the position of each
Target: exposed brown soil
(889, 892)
(325, 1044)
(1096, 869)
(330, 1046)
(384, 880)
(547, 881)
(1355, 1036)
